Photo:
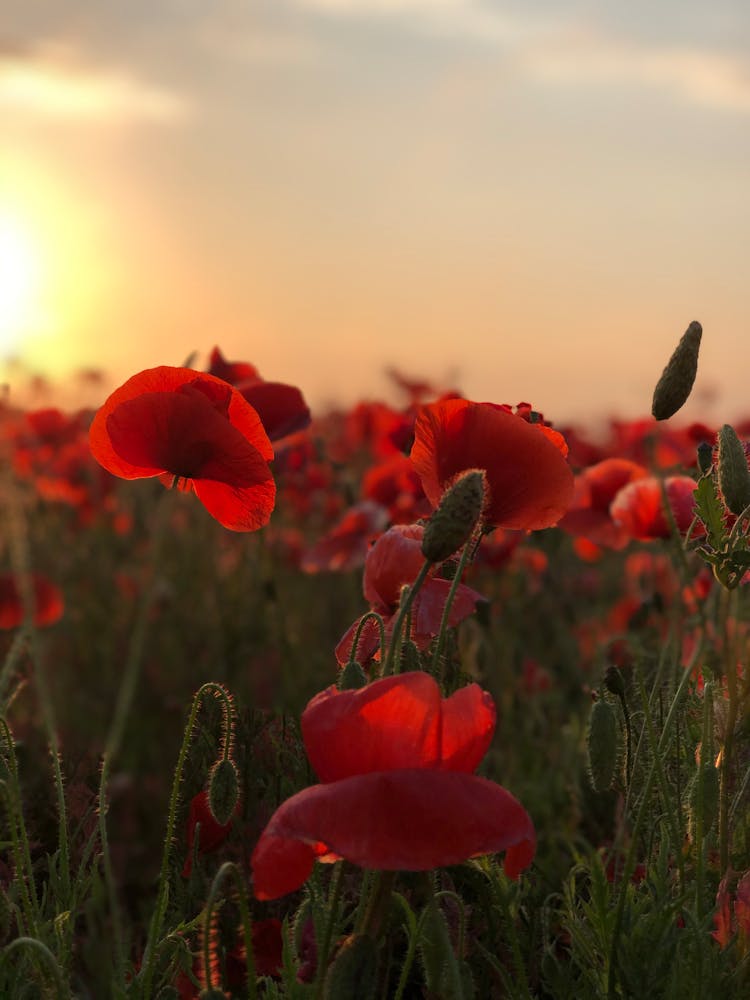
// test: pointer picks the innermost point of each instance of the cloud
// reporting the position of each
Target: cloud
(545, 46)
(703, 77)
(51, 81)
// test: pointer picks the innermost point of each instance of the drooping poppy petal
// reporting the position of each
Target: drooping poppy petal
(429, 604)
(393, 561)
(397, 722)
(404, 820)
(282, 408)
(231, 371)
(178, 423)
(530, 484)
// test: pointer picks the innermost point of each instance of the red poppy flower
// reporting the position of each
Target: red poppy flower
(399, 792)
(48, 602)
(638, 509)
(530, 484)
(178, 423)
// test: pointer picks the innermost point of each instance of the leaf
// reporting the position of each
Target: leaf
(711, 511)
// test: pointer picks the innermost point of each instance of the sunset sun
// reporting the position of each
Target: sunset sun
(20, 282)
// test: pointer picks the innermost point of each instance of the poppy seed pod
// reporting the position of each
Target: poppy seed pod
(673, 388)
(451, 525)
(734, 476)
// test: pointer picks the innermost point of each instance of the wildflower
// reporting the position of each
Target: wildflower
(529, 482)
(192, 429)
(398, 792)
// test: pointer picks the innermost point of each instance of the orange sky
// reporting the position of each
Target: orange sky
(529, 203)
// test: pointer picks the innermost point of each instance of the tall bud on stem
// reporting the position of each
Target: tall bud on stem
(734, 476)
(673, 388)
(452, 524)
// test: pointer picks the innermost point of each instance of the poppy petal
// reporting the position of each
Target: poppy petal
(407, 820)
(530, 484)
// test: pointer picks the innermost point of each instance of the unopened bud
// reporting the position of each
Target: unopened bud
(734, 476)
(352, 677)
(223, 791)
(613, 682)
(451, 525)
(602, 745)
(676, 381)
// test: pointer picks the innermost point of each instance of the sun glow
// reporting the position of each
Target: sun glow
(20, 282)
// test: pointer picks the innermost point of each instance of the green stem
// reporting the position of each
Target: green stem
(730, 671)
(332, 912)
(467, 549)
(377, 908)
(230, 869)
(378, 619)
(123, 705)
(43, 951)
(404, 609)
(162, 894)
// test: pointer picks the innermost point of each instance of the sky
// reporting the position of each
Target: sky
(525, 201)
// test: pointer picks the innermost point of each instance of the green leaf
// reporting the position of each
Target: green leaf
(711, 511)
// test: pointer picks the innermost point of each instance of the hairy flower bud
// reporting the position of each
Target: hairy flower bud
(673, 388)
(734, 476)
(451, 525)
(223, 791)
(602, 745)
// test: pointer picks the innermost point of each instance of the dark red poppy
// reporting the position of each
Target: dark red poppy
(211, 834)
(530, 484)
(48, 602)
(399, 792)
(282, 408)
(176, 423)
(638, 507)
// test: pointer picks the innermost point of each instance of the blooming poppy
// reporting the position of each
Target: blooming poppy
(48, 601)
(529, 482)
(183, 425)
(638, 506)
(398, 790)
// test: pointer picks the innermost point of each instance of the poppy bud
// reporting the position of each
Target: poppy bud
(223, 791)
(352, 677)
(354, 970)
(451, 525)
(734, 477)
(602, 745)
(673, 388)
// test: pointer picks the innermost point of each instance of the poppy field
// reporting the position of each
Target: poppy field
(436, 698)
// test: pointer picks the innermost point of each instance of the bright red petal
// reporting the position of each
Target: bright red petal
(392, 723)
(408, 820)
(530, 483)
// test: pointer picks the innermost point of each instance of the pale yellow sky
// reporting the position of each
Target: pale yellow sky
(531, 201)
